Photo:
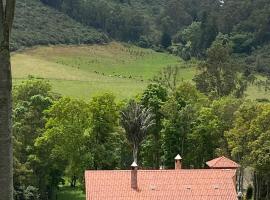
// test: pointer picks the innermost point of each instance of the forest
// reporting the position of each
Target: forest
(56, 137)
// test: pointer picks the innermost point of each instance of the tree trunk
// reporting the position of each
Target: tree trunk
(255, 186)
(6, 166)
(135, 153)
(7, 9)
(73, 181)
(157, 150)
(267, 190)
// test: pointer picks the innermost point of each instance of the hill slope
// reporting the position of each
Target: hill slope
(87, 70)
(37, 24)
(83, 71)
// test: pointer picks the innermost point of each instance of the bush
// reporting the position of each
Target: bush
(29, 193)
(144, 42)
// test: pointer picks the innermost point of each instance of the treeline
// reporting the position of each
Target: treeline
(186, 27)
(57, 138)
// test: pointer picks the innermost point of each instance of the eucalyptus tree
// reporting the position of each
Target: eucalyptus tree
(136, 120)
(7, 9)
(220, 75)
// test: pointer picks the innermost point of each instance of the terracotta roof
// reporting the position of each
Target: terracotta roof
(222, 163)
(204, 184)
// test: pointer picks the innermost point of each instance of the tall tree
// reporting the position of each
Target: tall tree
(103, 139)
(136, 120)
(154, 97)
(179, 112)
(220, 75)
(7, 9)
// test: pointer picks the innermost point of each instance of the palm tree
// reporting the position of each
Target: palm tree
(136, 120)
(7, 8)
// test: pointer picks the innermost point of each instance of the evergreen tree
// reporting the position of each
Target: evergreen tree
(166, 40)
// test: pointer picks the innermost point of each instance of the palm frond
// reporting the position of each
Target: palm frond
(136, 120)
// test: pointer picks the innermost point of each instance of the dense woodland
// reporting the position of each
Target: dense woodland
(36, 24)
(56, 138)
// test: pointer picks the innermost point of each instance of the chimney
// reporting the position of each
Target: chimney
(134, 172)
(178, 163)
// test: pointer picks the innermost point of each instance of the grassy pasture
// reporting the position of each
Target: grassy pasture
(83, 71)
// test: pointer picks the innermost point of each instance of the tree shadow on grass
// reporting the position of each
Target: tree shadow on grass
(68, 193)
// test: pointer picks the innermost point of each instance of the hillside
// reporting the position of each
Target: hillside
(87, 70)
(189, 27)
(37, 24)
(83, 71)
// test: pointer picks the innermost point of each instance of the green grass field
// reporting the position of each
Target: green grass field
(68, 193)
(84, 71)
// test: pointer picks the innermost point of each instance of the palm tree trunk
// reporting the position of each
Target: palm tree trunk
(135, 153)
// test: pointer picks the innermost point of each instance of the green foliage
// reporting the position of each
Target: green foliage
(103, 140)
(29, 88)
(154, 98)
(78, 136)
(259, 60)
(168, 77)
(260, 147)
(121, 22)
(136, 120)
(207, 139)
(249, 143)
(31, 98)
(166, 40)
(57, 139)
(242, 42)
(239, 136)
(48, 27)
(174, 16)
(219, 73)
(190, 38)
(68, 121)
(209, 30)
(180, 113)
(29, 193)
(104, 116)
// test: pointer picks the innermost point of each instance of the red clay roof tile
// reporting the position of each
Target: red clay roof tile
(222, 163)
(204, 184)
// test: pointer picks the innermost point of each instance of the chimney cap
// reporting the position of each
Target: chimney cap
(134, 164)
(178, 157)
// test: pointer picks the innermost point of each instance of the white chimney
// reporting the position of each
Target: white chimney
(178, 162)
(134, 173)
